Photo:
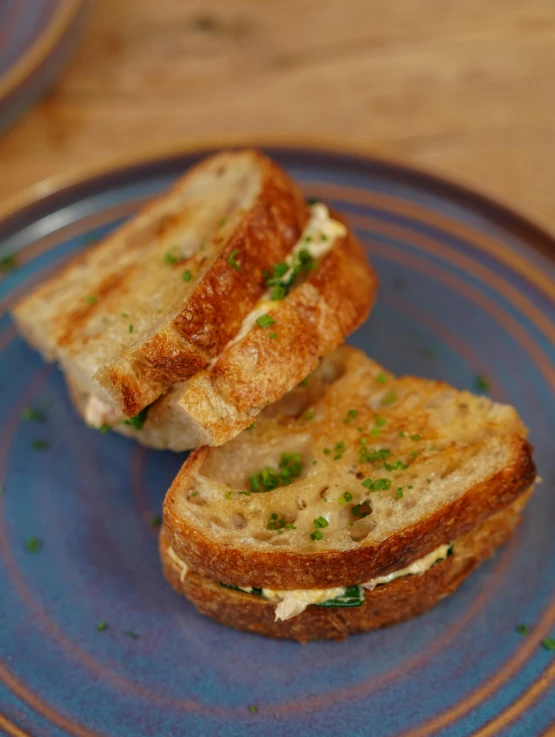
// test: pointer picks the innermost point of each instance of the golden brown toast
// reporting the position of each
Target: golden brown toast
(154, 302)
(351, 476)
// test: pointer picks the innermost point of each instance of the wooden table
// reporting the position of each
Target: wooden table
(466, 88)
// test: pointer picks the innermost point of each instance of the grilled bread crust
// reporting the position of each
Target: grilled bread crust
(477, 469)
(226, 281)
(221, 401)
(400, 600)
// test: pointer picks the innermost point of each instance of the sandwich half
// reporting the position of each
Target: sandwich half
(154, 302)
(356, 501)
(315, 297)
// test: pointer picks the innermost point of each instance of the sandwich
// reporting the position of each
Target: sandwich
(215, 301)
(154, 302)
(356, 501)
(319, 294)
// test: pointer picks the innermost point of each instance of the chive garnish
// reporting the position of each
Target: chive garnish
(381, 378)
(232, 262)
(8, 263)
(102, 626)
(38, 444)
(187, 276)
(33, 415)
(482, 383)
(33, 545)
(90, 299)
(264, 321)
(522, 629)
(155, 520)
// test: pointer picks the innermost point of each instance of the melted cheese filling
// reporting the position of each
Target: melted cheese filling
(184, 568)
(318, 238)
(291, 603)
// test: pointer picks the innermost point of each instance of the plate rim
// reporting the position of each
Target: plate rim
(527, 217)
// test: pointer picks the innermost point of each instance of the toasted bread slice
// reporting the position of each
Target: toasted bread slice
(262, 363)
(399, 600)
(372, 472)
(154, 302)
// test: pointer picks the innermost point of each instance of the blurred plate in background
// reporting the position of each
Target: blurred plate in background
(36, 38)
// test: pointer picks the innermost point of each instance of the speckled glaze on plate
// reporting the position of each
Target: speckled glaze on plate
(467, 288)
(36, 39)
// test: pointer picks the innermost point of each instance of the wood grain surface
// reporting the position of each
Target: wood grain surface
(465, 88)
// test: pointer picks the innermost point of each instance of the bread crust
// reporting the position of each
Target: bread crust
(386, 605)
(276, 569)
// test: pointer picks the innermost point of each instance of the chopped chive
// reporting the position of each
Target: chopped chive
(402, 434)
(375, 432)
(253, 709)
(250, 427)
(222, 222)
(124, 314)
(482, 383)
(131, 634)
(347, 497)
(399, 492)
(415, 437)
(38, 444)
(304, 382)
(104, 428)
(381, 378)
(187, 276)
(273, 336)
(390, 397)
(138, 420)
(290, 526)
(379, 421)
(327, 451)
(90, 299)
(155, 520)
(102, 626)
(232, 262)
(309, 414)
(321, 522)
(8, 263)
(33, 545)
(522, 629)
(264, 321)
(131, 328)
(549, 643)
(33, 415)
(316, 535)
(377, 485)
(350, 416)
(195, 493)
(171, 258)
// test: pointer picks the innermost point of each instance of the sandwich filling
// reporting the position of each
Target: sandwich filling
(317, 239)
(291, 603)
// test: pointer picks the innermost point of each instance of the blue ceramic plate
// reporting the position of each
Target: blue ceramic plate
(466, 291)
(36, 38)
